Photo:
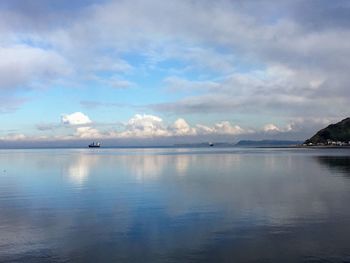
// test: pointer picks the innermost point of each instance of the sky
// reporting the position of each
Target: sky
(160, 72)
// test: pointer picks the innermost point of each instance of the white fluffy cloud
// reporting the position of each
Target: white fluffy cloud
(221, 128)
(87, 132)
(181, 127)
(271, 128)
(153, 126)
(226, 128)
(76, 118)
(144, 126)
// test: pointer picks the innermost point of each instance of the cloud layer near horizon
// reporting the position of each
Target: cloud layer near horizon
(149, 127)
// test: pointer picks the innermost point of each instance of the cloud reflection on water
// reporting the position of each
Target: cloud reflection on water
(78, 168)
(175, 203)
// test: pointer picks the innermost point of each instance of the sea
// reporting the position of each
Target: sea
(175, 205)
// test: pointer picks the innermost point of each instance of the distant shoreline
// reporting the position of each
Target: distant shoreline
(327, 147)
(180, 147)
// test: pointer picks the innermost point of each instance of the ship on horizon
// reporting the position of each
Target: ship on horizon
(95, 145)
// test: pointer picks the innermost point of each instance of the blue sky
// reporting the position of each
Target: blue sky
(118, 70)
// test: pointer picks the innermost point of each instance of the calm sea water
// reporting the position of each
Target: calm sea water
(175, 205)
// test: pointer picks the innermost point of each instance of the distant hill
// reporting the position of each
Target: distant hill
(334, 132)
(267, 143)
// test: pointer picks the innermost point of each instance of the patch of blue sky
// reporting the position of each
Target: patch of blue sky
(64, 99)
(133, 58)
(33, 42)
(45, 106)
(240, 63)
(8, 122)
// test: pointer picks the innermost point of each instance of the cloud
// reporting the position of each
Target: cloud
(92, 104)
(22, 67)
(321, 14)
(181, 127)
(153, 126)
(47, 126)
(275, 61)
(87, 132)
(13, 137)
(76, 118)
(108, 64)
(141, 126)
(226, 128)
(10, 104)
(221, 128)
(144, 126)
(271, 128)
(117, 83)
(176, 84)
(298, 65)
(274, 91)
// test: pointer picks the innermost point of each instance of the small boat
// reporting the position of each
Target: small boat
(211, 144)
(95, 145)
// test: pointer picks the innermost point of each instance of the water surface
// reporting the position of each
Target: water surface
(175, 205)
